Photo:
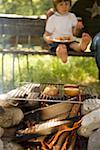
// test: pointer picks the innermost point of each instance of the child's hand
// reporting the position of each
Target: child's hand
(77, 29)
(47, 37)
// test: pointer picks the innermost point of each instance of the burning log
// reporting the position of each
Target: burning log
(44, 128)
(59, 110)
(49, 120)
(60, 142)
(72, 141)
(62, 129)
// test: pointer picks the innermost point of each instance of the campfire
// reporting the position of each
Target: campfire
(46, 116)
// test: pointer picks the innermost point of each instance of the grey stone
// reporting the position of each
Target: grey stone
(1, 131)
(94, 141)
(11, 117)
(90, 122)
(1, 145)
(12, 146)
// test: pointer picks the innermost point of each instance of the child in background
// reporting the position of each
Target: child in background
(63, 25)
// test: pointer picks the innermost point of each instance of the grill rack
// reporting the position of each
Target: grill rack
(32, 91)
(31, 88)
(60, 87)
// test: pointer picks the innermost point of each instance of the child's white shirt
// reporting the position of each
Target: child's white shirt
(61, 25)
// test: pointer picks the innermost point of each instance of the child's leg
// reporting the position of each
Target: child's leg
(85, 40)
(61, 52)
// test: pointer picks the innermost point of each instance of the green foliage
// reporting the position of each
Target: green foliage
(44, 69)
(24, 7)
(50, 69)
(43, 6)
